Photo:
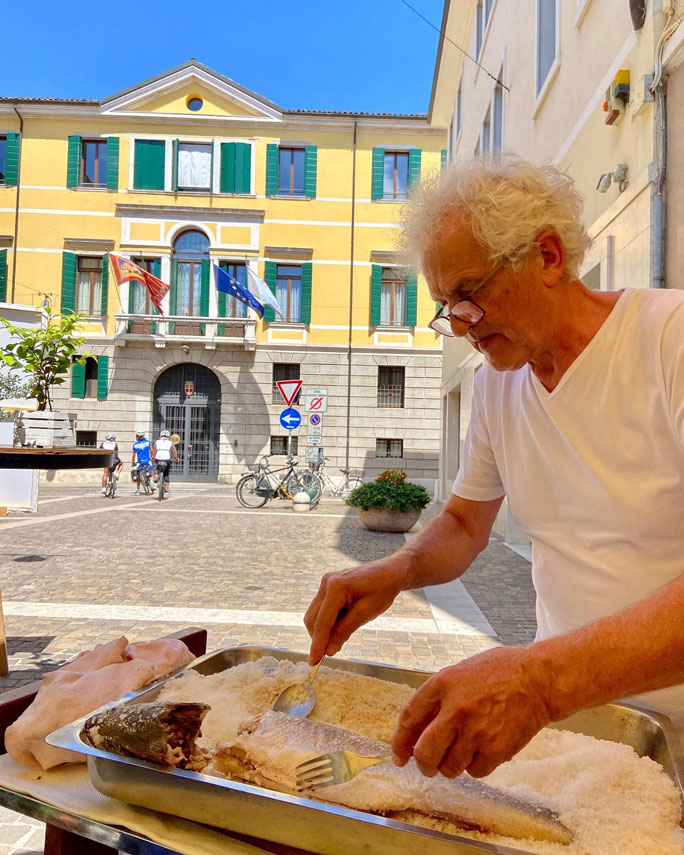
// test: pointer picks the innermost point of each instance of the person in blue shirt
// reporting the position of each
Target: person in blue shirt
(142, 457)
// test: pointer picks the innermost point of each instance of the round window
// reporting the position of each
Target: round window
(194, 103)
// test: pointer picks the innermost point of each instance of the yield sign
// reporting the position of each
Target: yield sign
(288, 389)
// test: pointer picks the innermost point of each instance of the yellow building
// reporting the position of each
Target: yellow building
(188, 170)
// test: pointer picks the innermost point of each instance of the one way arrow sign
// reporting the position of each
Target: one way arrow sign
(290, 418)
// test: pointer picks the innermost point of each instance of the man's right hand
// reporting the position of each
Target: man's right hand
(348, 599)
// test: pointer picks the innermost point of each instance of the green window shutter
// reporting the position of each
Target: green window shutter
(105, 286)
(173, 294)
(411, 299)
(444, 158)
(69, 267)
(243, 167)
(12, 159)
(174, 164)
(102, 377)
(414, 166)
(377, 173)
(221, 295)
(112, 163)
(227, 184)
(148, 164)
(310, 161)
(3, 275)
(74, 161)
(78, 381)
(305, 313)
(376, 294)
(270, 276)
(272, 169)
(204, 292)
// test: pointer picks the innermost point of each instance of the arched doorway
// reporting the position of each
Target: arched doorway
(187, 401)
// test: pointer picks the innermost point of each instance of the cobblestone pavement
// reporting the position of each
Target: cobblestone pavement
(86, 570)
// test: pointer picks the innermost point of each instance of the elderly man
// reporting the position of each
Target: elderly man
(578, 418)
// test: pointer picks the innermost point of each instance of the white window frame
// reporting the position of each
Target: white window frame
(581, 11)
(541, 88)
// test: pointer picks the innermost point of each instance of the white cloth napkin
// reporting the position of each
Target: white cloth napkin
(69, 788)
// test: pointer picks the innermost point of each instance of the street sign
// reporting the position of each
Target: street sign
(290, 418)
(314, 419)
(314, 430)
(288, 389)
(316, 400)
(314, 440)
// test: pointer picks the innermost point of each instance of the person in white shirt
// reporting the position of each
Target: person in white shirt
(163, 451)
(578, 418)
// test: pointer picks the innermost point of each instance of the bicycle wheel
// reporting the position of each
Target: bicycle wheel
(145, 481)
(307, 482)
(246, 492)
(108, 486)
(350, 484)
(114, 482)
(160, 484)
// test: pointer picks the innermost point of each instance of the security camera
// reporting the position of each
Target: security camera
(604, 182)
(185, 348)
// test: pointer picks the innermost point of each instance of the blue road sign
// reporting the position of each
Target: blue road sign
(290, 418)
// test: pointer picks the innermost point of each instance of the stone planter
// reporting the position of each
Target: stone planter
(388, 519)
(45, 429)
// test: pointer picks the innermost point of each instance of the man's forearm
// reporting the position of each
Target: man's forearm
(637, 650)
(447, 546)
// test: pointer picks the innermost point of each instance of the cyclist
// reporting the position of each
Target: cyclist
(110, 444)
(142, 458)
(162, 452)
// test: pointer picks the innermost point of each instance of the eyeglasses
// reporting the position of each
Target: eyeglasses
(463, 310)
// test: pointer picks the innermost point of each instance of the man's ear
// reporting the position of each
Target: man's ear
(552, 257)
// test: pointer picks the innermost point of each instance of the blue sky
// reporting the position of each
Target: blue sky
(373, 55)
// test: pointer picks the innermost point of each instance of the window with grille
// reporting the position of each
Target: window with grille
(284, 371)
(89, 285)
(389, 447)
(86, 438)
(391, 386)
(393, 298)
(279, 445)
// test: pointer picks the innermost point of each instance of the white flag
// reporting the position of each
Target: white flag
(264, 294)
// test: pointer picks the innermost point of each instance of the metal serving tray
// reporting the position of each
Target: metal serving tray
(315, 826)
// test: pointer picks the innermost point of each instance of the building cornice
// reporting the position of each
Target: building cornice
(130, 209)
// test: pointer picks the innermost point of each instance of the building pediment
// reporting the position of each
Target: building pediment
(170, 94)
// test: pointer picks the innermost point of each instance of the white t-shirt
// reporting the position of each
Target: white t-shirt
(594, 470)
(163, 448)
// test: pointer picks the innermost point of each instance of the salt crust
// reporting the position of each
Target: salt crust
(615, 802)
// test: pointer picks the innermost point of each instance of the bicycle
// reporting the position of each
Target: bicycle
(162, 475)
(144, 481)
(338, 488)
(110, 486)
(262, 483)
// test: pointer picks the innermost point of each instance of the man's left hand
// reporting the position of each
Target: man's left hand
(474, 715)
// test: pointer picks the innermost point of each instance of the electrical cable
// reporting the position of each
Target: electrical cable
(464, 52)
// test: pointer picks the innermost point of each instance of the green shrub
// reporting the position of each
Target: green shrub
(389, 490)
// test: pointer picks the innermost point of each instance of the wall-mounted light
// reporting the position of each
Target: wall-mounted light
(618, 175)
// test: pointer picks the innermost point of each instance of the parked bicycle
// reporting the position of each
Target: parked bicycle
(262, 483)
(338, 487)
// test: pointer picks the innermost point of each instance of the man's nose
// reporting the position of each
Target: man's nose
(459, 327)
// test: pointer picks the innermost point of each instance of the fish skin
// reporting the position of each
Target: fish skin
(270, 746)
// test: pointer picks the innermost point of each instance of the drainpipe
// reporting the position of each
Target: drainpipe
(351, 297)
(16, 207)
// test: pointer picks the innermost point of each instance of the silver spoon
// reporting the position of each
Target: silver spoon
(300, 698)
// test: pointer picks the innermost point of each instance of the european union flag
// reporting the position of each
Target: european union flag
(231, 286)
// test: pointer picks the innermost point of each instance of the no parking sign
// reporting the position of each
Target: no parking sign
(314, 419)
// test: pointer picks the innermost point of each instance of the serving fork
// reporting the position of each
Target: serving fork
(334, 768)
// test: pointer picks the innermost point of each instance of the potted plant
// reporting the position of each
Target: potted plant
(45, 354)
(390, 503)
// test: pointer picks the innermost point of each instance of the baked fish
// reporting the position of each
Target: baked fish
(270, 746)
(161, 732)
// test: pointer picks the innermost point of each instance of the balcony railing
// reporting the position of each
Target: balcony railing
(208, 331)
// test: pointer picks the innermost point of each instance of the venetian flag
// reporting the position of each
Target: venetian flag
(264, 293)
(231, 286)
(126, 270)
